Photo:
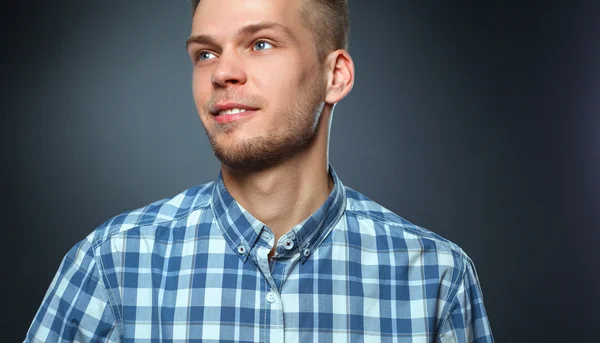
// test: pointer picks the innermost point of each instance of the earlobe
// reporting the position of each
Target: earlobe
(341, 76)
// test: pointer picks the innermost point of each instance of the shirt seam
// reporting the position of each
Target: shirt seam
(109, 294)
(412, 230)
(448, 306)
(147, 222)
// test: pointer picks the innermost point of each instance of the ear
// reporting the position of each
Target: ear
(340, 76)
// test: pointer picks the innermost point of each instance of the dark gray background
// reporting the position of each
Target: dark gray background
(478, 122)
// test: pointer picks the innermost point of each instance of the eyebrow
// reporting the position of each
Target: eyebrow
(244, 31)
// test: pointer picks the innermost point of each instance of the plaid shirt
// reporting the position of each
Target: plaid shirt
(195, 267)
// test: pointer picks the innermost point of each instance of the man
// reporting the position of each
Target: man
(276, 249)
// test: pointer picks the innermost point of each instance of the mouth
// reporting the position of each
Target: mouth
(228, 112)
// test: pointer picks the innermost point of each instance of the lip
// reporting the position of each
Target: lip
(222, 106)
(227, 118)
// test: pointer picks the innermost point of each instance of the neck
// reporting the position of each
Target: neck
(283, 196)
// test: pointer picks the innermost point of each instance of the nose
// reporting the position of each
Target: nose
(228, 72)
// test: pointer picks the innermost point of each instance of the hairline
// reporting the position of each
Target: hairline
(322, 49)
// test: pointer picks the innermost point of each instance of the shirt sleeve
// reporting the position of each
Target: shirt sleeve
(76, 306)
(467, 320)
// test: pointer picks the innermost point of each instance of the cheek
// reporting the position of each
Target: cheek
(201, 83)
(278, 82)
(264, 79)
(201, 95)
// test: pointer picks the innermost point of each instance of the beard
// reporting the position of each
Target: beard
(301, 122)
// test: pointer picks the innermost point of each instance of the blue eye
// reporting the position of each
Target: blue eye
(205, 55)
(262, 45)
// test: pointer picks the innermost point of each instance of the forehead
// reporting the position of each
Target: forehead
(222, 16)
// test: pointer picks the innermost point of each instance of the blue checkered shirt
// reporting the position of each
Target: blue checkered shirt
(195, 267)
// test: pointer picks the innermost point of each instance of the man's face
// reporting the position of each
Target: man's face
(255, 56)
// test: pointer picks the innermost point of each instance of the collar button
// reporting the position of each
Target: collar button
(288, 244)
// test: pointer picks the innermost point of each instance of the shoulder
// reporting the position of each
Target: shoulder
(164, 210)
(386, 222)
(433, 259)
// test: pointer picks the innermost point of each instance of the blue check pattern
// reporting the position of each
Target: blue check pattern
(195, 268)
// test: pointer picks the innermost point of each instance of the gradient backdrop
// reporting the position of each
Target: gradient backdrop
(480, 123)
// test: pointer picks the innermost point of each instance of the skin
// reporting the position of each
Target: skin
(274, 161)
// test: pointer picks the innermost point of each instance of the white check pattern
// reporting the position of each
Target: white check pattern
(194, 268)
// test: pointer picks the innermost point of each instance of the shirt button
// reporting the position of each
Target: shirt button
(271, 297)
(241, 249)
(288, 244)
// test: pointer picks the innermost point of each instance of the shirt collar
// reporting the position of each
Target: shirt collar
(241, 230)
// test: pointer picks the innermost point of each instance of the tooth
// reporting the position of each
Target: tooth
(233, 111)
